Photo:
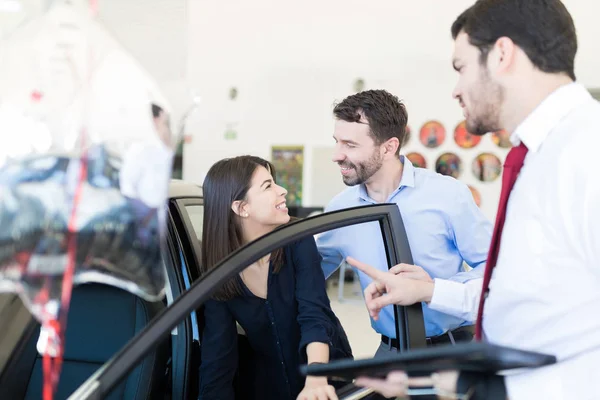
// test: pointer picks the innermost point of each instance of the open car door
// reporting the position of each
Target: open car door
(410, 326)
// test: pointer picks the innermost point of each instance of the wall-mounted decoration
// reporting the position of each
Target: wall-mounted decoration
(417, 160)
(432, 134)
(502, 139)
(230, 132)
(464, 138)
(233, 93)
(359, 85)
(449, 164)
(233, 115)
(288, 162)
(476, 195)
(407, 133)
(487, 167)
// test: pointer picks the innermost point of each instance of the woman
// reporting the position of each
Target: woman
(280, 301)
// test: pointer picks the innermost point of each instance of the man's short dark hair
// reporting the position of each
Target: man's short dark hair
(385, 113)
(544, 30)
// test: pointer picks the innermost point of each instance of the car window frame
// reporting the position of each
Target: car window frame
(188, 227)
(410, 325)
(186, 385)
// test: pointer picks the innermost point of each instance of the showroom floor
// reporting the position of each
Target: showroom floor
(353, 315)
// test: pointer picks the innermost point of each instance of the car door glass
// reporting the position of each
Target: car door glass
(365, 243)
(196, 214)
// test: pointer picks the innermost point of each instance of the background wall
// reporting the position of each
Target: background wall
(291, 61)
(156, 33)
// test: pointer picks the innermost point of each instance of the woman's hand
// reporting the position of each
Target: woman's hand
(317, 388)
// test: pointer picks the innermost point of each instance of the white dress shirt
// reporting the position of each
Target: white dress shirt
(146, 172)
(545, 290)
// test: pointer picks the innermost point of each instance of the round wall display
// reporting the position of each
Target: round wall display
(432, 134)
(502, 139)
(449, 164)
(417, 160)
(487, 167)
(464, 138)
(476, 195)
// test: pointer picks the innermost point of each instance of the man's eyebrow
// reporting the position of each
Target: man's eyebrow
(345, 141)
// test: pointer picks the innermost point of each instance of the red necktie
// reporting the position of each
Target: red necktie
(512, 166)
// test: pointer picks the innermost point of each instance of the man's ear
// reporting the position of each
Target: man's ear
(238, 208)
(391, 146)
(502, 56)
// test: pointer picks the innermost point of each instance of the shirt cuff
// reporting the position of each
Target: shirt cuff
(457, 299)
(316, 334)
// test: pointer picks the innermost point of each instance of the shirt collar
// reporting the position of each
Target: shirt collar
(536, 127)
(408, 179)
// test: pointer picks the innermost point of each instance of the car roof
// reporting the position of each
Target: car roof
(179, 189)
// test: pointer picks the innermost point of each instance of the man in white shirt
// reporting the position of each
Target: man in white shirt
(147, 164)
(515, 60)
(144, 177)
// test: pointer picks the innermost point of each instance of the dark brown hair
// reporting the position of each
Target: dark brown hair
(544, 30)
(227, 181)
(385, 113)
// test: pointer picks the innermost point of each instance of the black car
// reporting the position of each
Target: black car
(119, 346)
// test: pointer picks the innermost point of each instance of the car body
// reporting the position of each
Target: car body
(179, 326)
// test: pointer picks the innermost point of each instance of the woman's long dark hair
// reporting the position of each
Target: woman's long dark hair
(227, 181)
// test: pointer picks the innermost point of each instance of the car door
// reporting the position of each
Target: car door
(409, 320)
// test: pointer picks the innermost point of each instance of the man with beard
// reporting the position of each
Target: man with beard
(444, 226)
(515, 60)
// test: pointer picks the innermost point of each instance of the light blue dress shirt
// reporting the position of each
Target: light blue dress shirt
(444, 227)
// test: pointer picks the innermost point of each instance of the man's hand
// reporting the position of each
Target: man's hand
(411, 271)
(445, 383)
(317, 388)
(389, 288)
(398, 383)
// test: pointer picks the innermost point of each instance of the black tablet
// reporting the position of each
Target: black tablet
(473, 356)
